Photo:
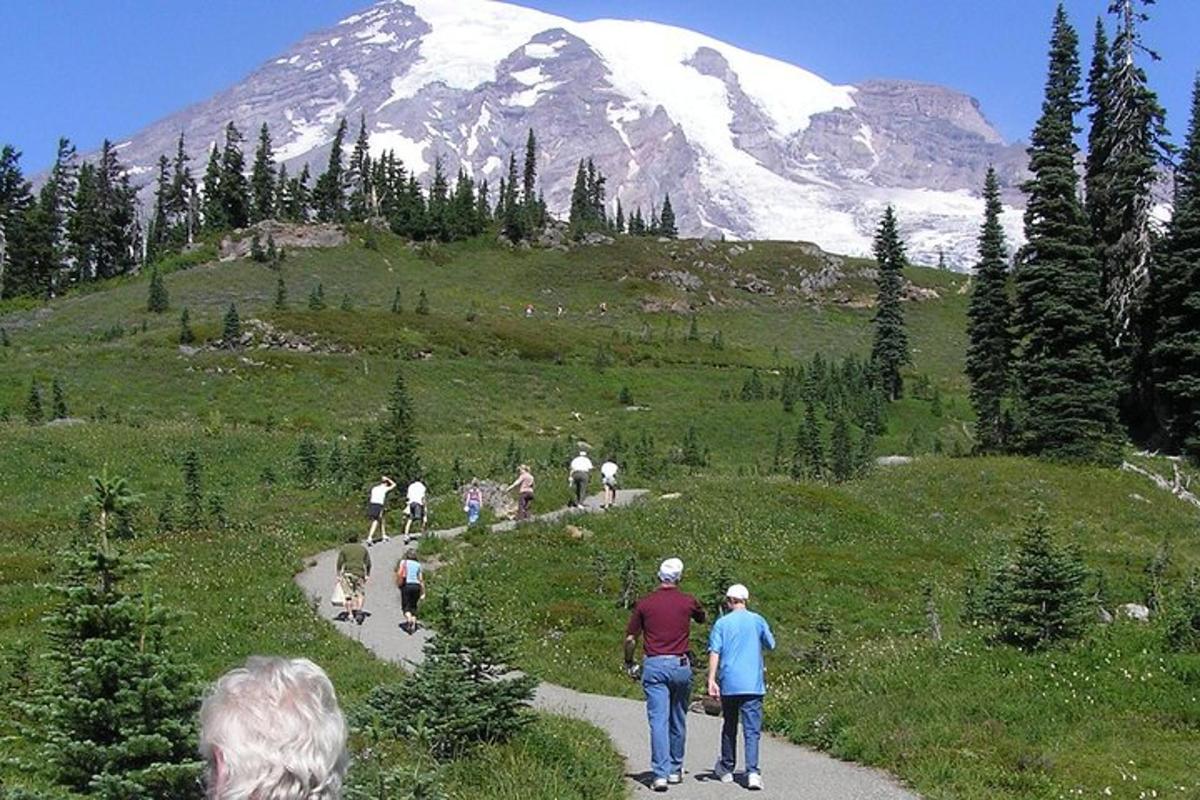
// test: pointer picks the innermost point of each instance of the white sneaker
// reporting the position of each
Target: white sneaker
(386, 539)
(675, 777)
(659, 785)
(754, 781)
(726, 777)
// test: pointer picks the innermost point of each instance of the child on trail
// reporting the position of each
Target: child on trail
(415, 511)
(735, 677)
(410, 580)
(375, 512)
(524, 488)
(608, 477)
(580, 473)
(353, 571)
(473, 501)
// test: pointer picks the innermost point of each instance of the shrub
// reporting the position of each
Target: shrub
(232, 330)
(33, 406)
(185, 329)
(1183, 624)
(157, 299)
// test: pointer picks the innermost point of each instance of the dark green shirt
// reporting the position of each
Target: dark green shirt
(355, 559)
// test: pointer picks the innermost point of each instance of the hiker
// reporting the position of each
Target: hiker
(580, 472)
(523, 485)
(353, 570)
(375, 512)
(663, 620)
(473, 501)
(273, 730)
(735, 677)
(410, 580)
(415, 511)
(528, 310)
(560, 310)
(608, 477)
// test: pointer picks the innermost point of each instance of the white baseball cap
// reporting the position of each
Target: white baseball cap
(670, 570)
(738, 592)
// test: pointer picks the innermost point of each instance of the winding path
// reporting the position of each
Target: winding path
(789, 771)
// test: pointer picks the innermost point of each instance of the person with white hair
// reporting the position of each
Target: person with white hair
(663, 619)
(735, 677)
(272, 730)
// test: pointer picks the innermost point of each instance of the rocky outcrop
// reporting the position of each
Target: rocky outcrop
(286, 235)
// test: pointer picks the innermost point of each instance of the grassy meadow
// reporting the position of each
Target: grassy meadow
(839, 570)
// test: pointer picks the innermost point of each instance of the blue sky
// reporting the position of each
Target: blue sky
(90, 69)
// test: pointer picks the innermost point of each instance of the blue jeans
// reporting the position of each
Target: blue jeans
(667, 682)
(472, 513)
(750, 708)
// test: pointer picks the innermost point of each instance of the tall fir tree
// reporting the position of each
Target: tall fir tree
(889, 351)
(16, 239)
(262, 178)
(666, 220)
(158, 231)
(529, 177)
(113, 216)
(234, 189)
(989, 320)
(362, 191)
(1098, 143)
(181, 205)
(212, 209)
(1065, 399)
(157, 299)
(397, 442)
(512, 218)
(1176, 293)
(329, 195)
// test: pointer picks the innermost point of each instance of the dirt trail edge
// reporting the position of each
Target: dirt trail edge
(789, 771)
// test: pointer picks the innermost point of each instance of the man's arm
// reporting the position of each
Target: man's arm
(698, 612)
(714, 660)
(367, 564)
(768, 638)
(630, 649)
(341, 562)
(632, 631)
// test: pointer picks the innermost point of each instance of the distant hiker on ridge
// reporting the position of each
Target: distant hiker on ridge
(579, 474)
(415, 511)
(524, 488)
(663, 620)
(375, 510)
(473, 501)
(735, 677)
(608, 477)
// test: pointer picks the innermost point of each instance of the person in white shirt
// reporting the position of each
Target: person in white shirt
(416, 507)
(580, 473)
(608, 477)
(375, 512)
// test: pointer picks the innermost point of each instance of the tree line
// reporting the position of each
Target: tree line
(1094, 334)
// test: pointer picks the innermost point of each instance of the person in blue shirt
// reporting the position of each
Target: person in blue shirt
(735, 677)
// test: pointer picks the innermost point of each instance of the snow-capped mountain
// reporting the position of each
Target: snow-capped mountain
(747, 146)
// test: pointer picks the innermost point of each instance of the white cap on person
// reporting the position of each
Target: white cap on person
(670, 570)
(738, 592)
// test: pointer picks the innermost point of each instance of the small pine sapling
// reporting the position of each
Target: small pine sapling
(185, 329)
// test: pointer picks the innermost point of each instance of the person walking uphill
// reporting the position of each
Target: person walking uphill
(353, 570)
(415, 511)
(663, 619)
(379, 493)
(735, 677)
(580, 472)
(410, 580)
(524, 487)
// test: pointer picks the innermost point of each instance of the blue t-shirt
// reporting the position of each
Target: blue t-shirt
(739, 638)
(412, 571)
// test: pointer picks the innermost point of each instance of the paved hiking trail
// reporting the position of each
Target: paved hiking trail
(789, 771)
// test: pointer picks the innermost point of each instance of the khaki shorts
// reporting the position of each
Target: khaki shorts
(353, 584)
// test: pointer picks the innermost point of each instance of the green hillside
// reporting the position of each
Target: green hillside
(654, 345)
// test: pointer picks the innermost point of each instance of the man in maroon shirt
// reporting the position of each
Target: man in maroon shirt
(663, 620)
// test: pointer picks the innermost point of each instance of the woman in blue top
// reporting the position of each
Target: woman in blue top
(410, 580)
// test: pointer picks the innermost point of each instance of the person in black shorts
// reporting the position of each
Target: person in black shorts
(410, 580)
(375, 513)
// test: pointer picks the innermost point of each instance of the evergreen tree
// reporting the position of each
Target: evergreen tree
(529, 179)
(1176, 285)
(181, 205)
(842, 450)
(890, 349)
(1098, 100)
(666, 220)
(262, 178)
(316, 298)
(989, 318)
(362, 193)
(157, 233)
(280, 295)
(59, 400)
(1066, 401)
(157, 299)
(397, 437)
(48, 223)
(620, 218)
(1136, 147)
(815, 456)
(231, 330)
(329, 195)
(396, 305)
(185, 329)
(117, 709)
(193, 491)
(512, 219)
(308, 463)
(233, 188)
(17, 239)
(104, 232)
(212, 208)
(33, 406)
(1043, 598)
(422, 303)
